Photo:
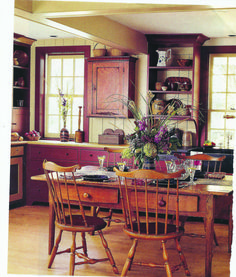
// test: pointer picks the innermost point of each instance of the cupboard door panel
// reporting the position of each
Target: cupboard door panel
(108, 77)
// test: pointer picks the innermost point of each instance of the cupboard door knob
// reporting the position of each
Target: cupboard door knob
(67, 154)
(91, 155)
(86, 195)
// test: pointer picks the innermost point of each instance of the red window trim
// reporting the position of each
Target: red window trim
(40, 84)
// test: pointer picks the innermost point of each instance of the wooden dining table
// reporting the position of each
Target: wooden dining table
(194, 201)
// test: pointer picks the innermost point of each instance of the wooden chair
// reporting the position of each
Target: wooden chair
(140, 225)
(64, 192)
(112, 151)
(209, 164)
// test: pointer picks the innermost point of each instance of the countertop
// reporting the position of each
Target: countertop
(69, 143)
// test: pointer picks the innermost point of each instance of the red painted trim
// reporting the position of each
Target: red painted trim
(205, 55)
(40, 87)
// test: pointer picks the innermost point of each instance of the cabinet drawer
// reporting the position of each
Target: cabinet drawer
(54, 154)
(91, 155)
(186, 203)
(17, 151)
(96, 194)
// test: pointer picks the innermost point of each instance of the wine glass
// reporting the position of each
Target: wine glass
(101, 161)
(191, 171)
(121, 166)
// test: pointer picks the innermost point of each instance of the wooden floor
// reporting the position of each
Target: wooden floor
(28, 238)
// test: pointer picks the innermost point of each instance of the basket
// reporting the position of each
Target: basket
(115, 52)
(33, 138)
(99, 52)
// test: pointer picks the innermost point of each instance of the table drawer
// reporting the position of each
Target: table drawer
(17, 151)
(186, 203)
(96, 194)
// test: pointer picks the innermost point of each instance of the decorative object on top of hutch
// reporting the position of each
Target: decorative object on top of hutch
(181, 75)
(108, 76)
(21, 84)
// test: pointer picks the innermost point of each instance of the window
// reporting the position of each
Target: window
(45, 97)
(64, 72)
(222, 99)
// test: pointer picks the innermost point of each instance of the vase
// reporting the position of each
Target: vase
(64, 135)
(149, 163)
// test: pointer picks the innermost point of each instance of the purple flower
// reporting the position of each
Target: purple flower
(142, 125)
(63, 102)
(158, 137)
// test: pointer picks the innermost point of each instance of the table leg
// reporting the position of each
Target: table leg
(51, 233)
(230, 227)
(209, 220)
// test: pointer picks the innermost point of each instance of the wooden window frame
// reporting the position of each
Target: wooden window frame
(204, 84)
(40, 71)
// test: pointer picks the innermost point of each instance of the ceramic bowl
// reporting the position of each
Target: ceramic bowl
(164, 88)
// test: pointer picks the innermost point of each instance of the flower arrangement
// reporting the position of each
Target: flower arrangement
(64, 105)
(151, 136)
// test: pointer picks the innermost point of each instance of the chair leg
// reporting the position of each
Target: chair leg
(182, 257)
(109, 217)
(166, 260)
(130, 258)
(72, 254)
(108, 252)
(54, 250)
(84, 243)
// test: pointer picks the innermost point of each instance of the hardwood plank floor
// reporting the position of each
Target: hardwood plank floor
(28, 238)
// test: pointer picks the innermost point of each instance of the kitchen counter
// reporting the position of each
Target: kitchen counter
(69, 143)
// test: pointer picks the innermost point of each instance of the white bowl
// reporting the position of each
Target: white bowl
(164, 88)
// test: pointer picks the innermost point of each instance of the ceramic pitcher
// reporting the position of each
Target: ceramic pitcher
(163, 57)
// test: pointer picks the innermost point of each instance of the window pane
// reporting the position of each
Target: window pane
(230, 123)
(217, 120)
(218, 101)
(79, 67)
(67, 85)
(68, 67)
(218, 83)
(78, 101)
(53, 105)
(54, 83)
(231, 101)
(232, 83)
(55, 67)
(217, 137)
(75, 123)
(79, 86)
(220, 65)
(53, 124)
(232, 65)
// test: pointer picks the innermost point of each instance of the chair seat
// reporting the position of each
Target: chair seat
(94, 223)
(171, 230)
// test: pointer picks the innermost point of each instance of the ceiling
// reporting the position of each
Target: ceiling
(210, 20)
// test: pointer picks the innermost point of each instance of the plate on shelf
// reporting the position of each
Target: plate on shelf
(184, 83)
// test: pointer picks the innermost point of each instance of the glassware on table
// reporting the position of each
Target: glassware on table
(101, 160)
(170, 166)
(121, 166)
(192, 171)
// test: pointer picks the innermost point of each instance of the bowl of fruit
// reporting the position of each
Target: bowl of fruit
(208, 144)
(33, 135)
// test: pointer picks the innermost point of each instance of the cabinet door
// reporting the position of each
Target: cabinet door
(107, 79)
(16, 179)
